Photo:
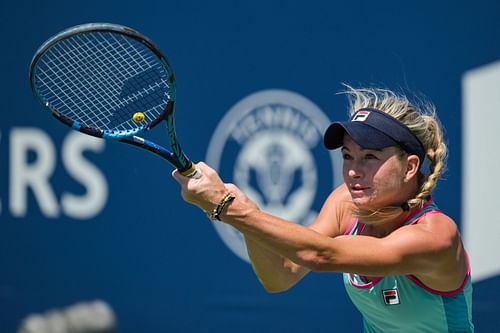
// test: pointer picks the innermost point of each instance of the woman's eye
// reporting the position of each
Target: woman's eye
(371, 157)
(346, 157)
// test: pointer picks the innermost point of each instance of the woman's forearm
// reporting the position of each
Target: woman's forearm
(275, 272)
(303, 246)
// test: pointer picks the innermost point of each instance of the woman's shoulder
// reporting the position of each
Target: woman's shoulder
(446, 253)
(341, 194)
(440, 226)
(437, 219)
(336, 214)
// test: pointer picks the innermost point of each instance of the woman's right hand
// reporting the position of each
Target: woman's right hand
(205, 191)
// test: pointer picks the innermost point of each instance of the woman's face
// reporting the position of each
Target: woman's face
(375, 178)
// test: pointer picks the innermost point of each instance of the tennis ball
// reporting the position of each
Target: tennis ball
(138, 117)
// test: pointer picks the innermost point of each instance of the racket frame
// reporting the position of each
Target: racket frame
(176, 157)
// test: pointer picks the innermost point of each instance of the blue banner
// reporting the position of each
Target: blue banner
(88, 222)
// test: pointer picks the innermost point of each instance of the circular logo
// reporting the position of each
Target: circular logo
(270, 145)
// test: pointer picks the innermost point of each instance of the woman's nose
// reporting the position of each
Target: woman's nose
(351, 173)
(354, 173)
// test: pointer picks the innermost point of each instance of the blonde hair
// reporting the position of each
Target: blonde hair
(422, 120)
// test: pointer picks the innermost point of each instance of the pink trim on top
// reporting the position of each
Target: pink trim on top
(424, 214)
(412, 278)
(419, 283)
(364, 285)
(353, 224)
(427, 203)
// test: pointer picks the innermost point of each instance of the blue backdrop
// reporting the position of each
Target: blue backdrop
(157, 261)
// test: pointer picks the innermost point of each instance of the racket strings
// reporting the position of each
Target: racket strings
(86, 89)
(143, 85)
(51, 85)
(75, 78)
(102, 79)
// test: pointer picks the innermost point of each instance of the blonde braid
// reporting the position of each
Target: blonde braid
(436, 153)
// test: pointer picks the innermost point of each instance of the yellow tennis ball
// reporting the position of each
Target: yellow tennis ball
(138, 117)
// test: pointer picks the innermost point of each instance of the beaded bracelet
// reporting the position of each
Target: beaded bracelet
(215, 213)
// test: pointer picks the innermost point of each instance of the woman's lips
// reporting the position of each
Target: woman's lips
(358, 188)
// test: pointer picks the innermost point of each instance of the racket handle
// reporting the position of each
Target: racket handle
(192, 172)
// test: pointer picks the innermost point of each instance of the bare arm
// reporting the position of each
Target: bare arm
(275, 272)
(430, 250)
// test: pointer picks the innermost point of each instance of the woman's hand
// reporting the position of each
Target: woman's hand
(206, 191)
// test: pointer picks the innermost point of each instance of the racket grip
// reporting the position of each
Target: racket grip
(192, 172)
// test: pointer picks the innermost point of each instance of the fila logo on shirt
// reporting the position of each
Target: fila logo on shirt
(361, 116)
(391, 297)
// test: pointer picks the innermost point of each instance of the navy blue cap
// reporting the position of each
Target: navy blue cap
(374, 129)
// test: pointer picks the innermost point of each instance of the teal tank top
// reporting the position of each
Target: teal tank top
(402, 303)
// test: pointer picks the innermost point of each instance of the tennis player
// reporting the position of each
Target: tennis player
(402, 258)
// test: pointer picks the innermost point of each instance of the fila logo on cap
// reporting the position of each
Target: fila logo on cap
(360, 116)
(391, 297)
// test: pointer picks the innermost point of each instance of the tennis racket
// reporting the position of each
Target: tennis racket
(111, 82)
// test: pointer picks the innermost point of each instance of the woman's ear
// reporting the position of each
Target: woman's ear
(412, 167)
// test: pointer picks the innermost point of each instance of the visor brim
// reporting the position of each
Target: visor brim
(364, 135)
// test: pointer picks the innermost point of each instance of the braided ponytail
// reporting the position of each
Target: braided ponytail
(436, 154)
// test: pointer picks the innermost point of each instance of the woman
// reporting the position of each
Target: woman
(403, 261)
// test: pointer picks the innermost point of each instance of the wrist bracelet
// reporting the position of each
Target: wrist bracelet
(215, 213)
